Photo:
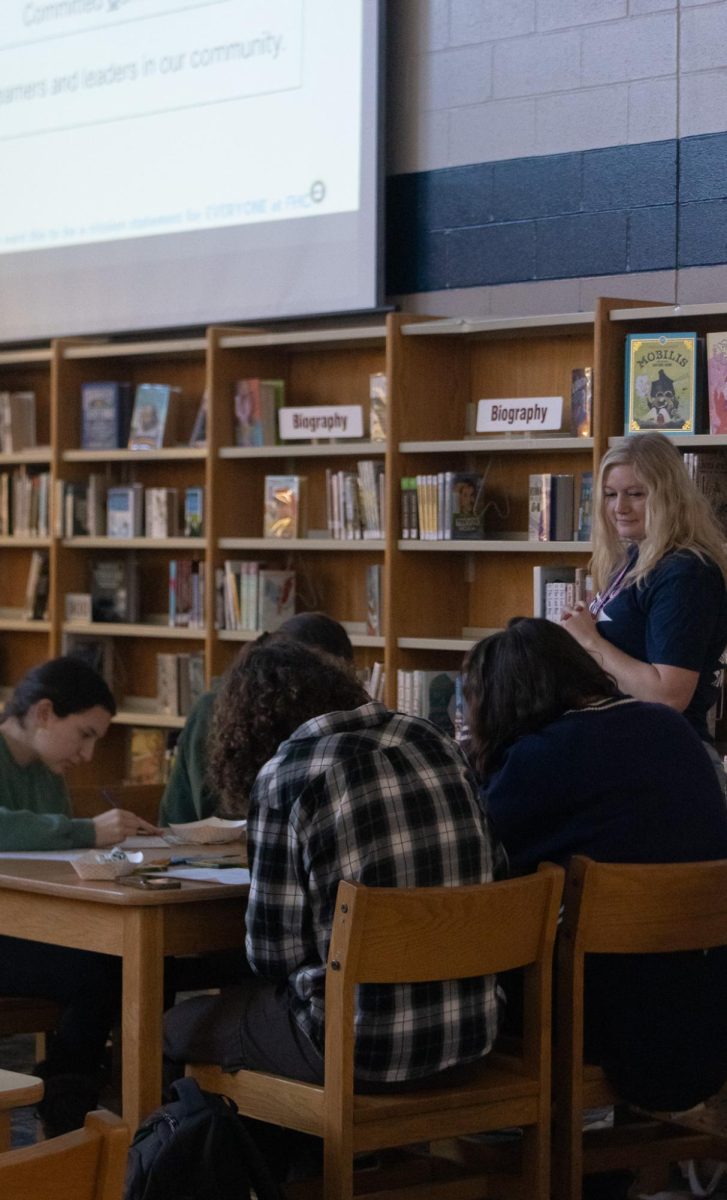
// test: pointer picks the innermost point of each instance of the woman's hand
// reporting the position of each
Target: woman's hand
(116, 824)
(578, 622)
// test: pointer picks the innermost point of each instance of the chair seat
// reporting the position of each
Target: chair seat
(17, 1090)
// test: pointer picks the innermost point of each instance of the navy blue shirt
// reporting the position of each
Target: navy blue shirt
(627, 781)
(677, 618)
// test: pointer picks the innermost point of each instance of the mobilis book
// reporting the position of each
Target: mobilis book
(660, 382)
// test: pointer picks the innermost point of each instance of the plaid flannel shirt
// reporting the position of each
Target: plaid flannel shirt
(387, 800)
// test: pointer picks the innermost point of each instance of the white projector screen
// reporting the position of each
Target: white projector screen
(175, 163)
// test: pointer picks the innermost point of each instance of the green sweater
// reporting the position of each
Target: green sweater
(35, 811)
(187, 796)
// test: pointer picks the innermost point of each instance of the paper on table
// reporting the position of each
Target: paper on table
(231, 875)
(46, 855)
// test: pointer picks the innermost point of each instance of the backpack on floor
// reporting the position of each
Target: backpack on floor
(196, 1148)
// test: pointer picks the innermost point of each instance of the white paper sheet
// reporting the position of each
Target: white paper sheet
(229, 875)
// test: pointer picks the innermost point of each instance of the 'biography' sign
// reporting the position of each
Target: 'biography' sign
(321, 421)
(528, 414)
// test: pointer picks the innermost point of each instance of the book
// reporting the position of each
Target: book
(161, 512)
(708, 469)
(464, 496)
(198, 436)
(284, 506)
(146, 755)
(167, 684)
(584, 514)
(75, 510)
(256, 407)
(17, 421)
(96, 505)
(151, 417)
(78, 609)
(36, 587)
(194, 512)
(96, 652)
(581, 402)
(378, 403)
(717, 381)
(115, 589)
(660, 382)
(276, 598)
(429, 694)
(124, 511)
(550, 507)
(373, 599)
(105, 414)
(555, 587)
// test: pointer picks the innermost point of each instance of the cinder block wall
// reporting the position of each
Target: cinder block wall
(543, 152)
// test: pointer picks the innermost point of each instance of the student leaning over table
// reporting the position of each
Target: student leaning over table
(347, 790)
(52, 721)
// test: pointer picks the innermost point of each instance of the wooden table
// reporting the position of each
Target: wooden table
(47, 902)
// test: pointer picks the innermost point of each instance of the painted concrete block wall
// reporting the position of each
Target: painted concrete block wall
(542, 152)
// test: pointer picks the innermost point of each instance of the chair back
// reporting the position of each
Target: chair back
(88, 1164)
(413, 935)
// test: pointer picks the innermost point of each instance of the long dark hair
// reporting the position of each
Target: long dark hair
(518, 680)
(70, 685)
(274, 687)
(319, 630)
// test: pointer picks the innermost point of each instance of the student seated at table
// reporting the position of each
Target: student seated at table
(571, 766)
(189, 794)
(335, 787)
(52, 721)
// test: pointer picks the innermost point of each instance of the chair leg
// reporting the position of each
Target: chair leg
(337, 1169)
(4, 1131)
(41, 1047)
(535, 1163)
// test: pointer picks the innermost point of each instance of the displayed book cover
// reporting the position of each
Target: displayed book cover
(256, 407)
(660, 382)
(146, 755)
(198, 436)
(584, 514)
(194, 512)
(465, 496)
(284, 506)
(115, 589)
(96, 652)
(124, 511)
(36, 587)
(151, 417)
(374, 574)
(276, 598)
(717, 381)
(161, 512)
(17, 421)
(105, 414)
(378, 401)
(581, 402)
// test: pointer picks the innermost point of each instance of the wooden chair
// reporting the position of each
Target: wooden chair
(409, 935)
(88, 1164)
(616, 909)
(16, 1091)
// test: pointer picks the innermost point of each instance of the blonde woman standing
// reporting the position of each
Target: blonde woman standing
(658, 623)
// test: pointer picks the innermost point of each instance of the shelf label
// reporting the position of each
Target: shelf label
(321, 421)
(527, 414)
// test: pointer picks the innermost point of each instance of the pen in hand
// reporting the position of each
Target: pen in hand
(118, 824)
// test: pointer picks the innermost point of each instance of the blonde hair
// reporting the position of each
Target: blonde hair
(678, 516)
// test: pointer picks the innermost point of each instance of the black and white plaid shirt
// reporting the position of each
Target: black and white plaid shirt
(387, 800)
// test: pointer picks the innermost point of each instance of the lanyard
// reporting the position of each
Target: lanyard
(600, 601)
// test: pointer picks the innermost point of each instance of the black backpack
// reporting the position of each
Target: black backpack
(196, 1148)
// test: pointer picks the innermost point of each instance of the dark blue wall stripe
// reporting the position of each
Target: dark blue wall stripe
(650, 207)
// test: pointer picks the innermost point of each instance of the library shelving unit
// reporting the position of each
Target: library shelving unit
(444, 595)
(438, 597)
(24, 642)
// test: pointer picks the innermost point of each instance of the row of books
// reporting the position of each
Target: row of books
(448, 505)
(436, 695)
(559, 587)
(24, 503)
(355, 502)
(251, 596)
(180, 682)
(708, 469)
(97, 509)
(553, 512)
